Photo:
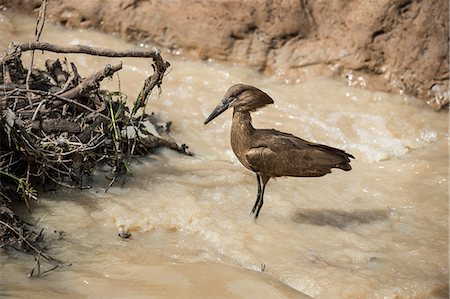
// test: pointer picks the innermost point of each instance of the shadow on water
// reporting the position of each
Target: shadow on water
(339, 218)
(441, 291)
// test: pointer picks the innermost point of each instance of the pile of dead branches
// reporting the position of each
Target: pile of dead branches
(57, 127)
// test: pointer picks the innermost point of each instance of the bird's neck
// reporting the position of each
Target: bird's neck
(241, 131)
(242, 122)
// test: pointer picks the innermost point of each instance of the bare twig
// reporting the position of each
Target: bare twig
(48, 258)
(81, 49)
(41, 103)
(37, 34)
(60, 97)
(160, 66)
(91, 82)
(36, 265)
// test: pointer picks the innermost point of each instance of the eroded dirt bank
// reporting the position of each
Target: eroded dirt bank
(395, 45)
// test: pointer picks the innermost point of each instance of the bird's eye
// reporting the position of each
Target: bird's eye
(228, 101)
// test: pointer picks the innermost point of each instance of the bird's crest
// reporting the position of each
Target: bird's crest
(247, 98)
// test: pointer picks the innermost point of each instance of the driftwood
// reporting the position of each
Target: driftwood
(91, 82)
(59, 123)
(57, 127)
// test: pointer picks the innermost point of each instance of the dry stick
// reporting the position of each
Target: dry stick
(37, 264)
(160, 68)
(44, 93)
(51, 269)
(66, 85)
(81, 49)
(91, 82)
(41, 103)
(48, 258)
(37, 34)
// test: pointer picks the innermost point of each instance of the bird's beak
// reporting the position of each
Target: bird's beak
(223, 105)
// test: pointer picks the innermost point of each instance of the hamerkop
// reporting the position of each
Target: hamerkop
(271, 153)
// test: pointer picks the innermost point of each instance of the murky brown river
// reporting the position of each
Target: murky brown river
(379, 231)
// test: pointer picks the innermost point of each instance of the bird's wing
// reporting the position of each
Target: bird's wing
(282, 154)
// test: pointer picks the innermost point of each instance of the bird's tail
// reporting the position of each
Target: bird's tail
(344, 166)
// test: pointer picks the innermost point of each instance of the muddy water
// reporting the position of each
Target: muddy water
(379, 231)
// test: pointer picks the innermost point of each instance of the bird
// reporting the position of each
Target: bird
(270, 153)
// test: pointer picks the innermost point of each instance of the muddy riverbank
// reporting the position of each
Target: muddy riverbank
(390, 45)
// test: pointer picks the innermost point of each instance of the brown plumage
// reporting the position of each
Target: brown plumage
(271, 153)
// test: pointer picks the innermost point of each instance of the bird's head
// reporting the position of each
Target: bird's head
(242, 98)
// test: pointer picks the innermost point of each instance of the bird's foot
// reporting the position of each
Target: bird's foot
(255, 217)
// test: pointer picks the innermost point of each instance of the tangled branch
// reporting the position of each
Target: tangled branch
(57, 127)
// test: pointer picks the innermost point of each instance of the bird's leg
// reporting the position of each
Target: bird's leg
(265, 179)
(258, 179)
